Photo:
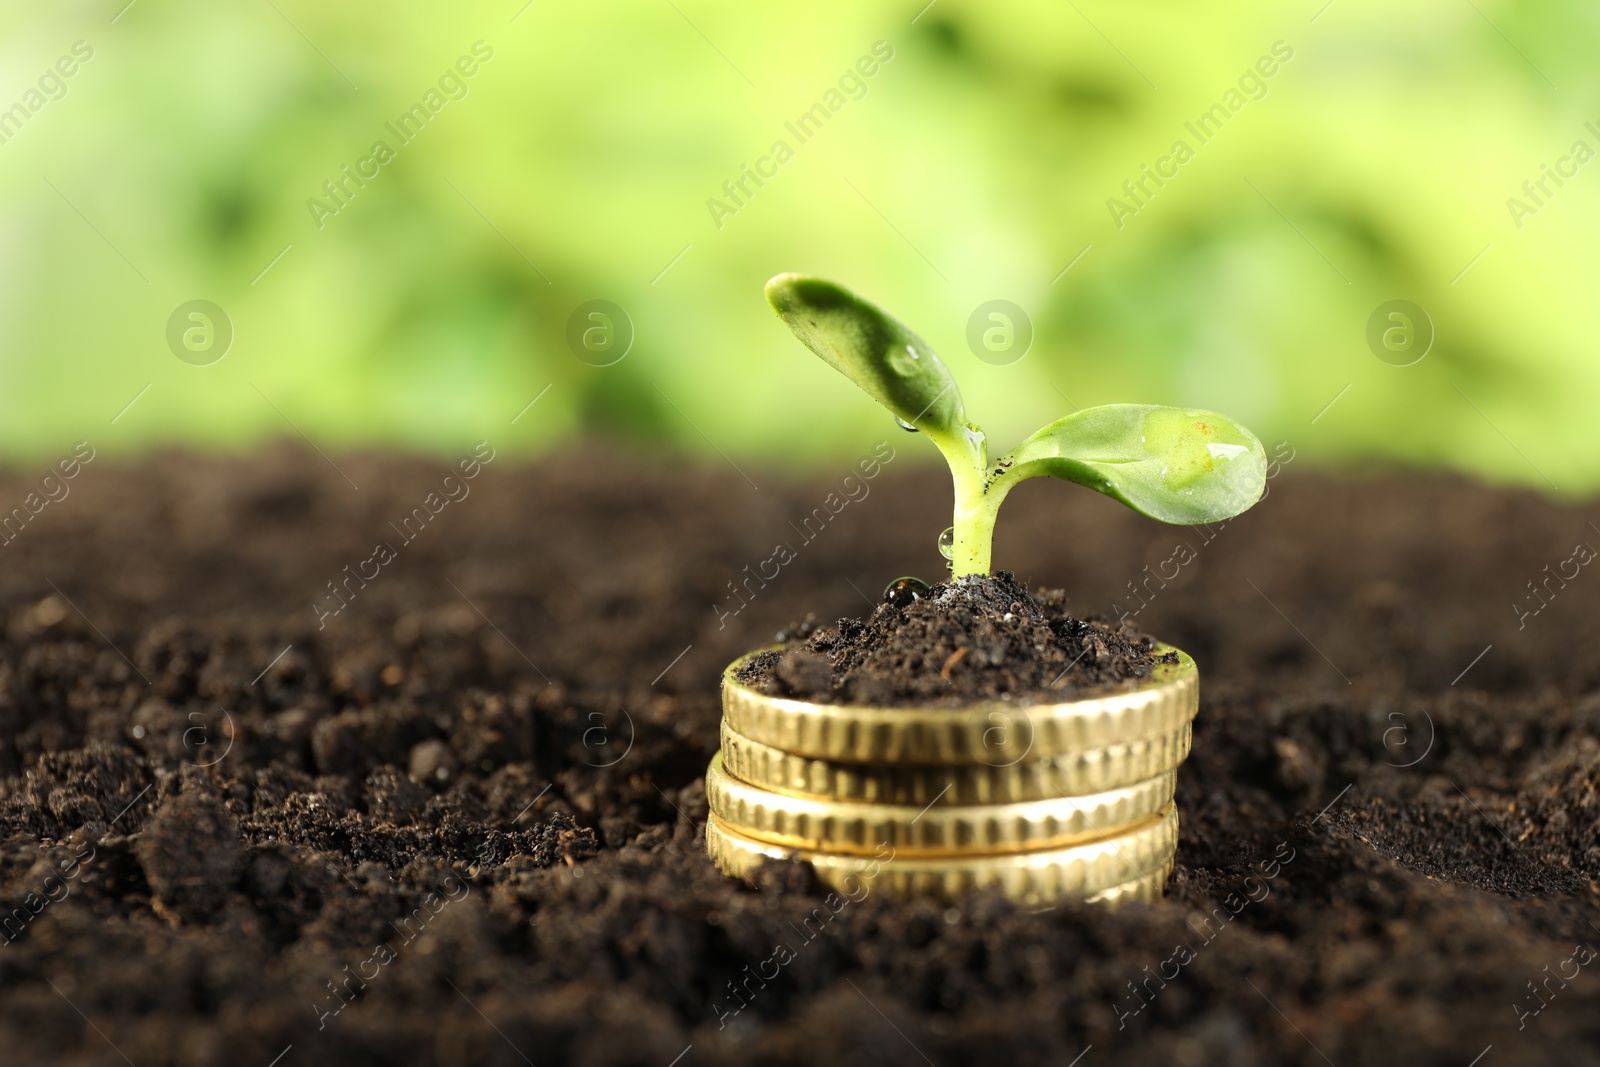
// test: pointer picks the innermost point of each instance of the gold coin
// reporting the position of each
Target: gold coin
(933, 830)
(1040, 877)
(1146, 888)
(1094, 770)
(992, 733)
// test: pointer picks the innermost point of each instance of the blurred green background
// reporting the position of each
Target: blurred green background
(577, 160)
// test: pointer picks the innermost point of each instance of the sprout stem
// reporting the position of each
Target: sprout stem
(976, 501)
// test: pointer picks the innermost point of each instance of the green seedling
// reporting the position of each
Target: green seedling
(1173, 464)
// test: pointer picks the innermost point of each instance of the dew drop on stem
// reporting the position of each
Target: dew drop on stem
(947, 543)
(903, 591)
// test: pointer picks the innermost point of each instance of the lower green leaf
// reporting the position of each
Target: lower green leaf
(1177, 465)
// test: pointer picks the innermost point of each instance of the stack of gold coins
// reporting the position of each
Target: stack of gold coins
(1048, 802)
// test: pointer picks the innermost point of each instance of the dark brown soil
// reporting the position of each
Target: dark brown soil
(459, 823)
(977, 638)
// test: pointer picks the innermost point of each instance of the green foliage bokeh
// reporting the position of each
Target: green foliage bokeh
(976, 163)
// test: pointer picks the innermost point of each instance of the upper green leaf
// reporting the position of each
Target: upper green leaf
(897, 368)
(1172, 464)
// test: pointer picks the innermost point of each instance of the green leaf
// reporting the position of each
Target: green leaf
(1173, 464)
(897, 368)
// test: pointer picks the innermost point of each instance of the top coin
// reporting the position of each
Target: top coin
(993, 732)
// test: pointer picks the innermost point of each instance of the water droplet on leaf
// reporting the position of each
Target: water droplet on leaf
(902, 591)
(904, 425)
(1192, 445)
(947, 543)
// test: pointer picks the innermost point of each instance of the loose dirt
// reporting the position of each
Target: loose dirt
(458, 821)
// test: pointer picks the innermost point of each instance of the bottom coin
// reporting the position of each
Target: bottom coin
(1131, 865)
(1146, 888)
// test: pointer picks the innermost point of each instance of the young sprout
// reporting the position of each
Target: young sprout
(1173, 464)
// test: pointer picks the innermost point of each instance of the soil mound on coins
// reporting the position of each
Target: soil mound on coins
(975, 638)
